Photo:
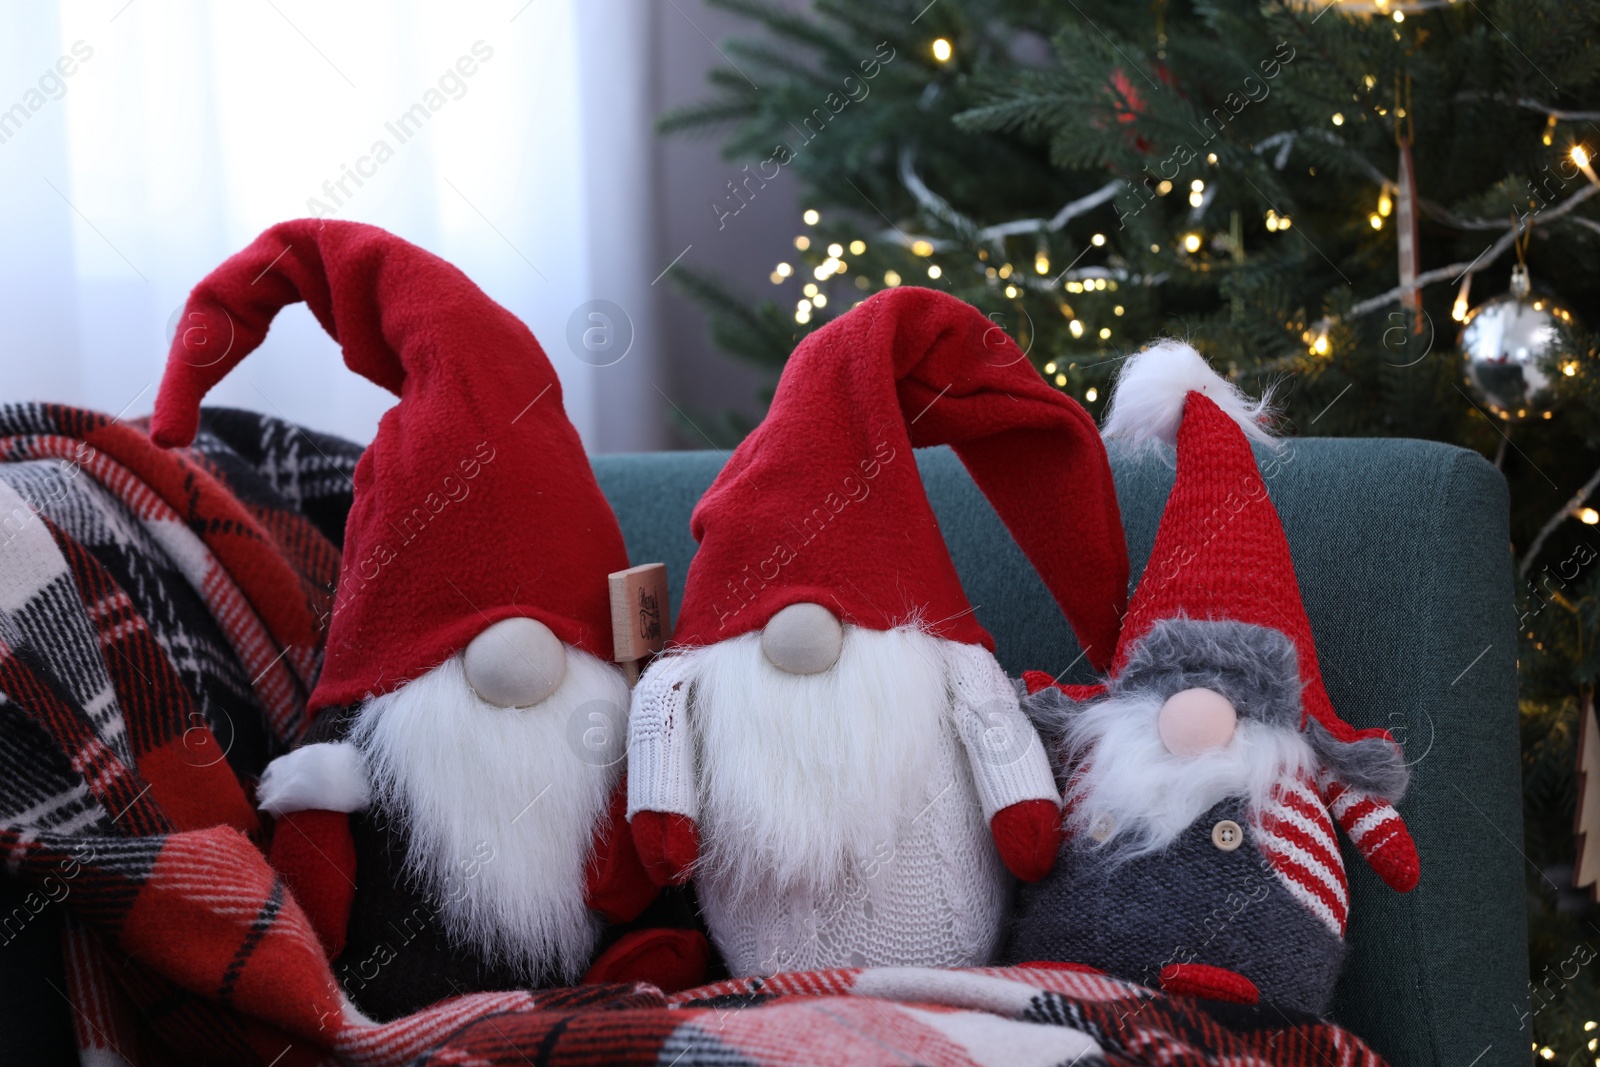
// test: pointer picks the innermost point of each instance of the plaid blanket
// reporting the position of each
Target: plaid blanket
(160, 622)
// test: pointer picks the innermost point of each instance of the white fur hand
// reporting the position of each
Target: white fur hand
(323, 777)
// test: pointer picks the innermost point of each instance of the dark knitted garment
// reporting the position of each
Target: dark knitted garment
(1192, 903)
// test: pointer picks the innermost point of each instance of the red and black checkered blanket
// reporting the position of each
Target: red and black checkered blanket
(160, 618)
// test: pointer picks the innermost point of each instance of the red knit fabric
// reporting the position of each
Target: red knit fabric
(475, 502)
(1205, 982)
(823, 502)
(1220, 553)
(1028, 836)
(668, 844)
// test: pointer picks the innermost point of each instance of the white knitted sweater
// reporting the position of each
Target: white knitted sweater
(935, 896)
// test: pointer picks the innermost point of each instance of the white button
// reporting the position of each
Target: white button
(1226, 835)
(1102, 827)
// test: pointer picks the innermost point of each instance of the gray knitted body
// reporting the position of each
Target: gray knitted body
(1196, 902)
(1193, 903)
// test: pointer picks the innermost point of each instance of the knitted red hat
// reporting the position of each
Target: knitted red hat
(475, 501)
(1220, 551)
(823, 502)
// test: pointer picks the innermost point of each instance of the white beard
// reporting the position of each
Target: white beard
(499, 807)
(1130, 791)
(804, 778)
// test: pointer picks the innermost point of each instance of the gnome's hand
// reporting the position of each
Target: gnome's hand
(311, 791)
(1028, 836)
(668, 844)
(316, 857)
(616, 884)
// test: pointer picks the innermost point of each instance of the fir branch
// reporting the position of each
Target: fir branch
(1556, 520)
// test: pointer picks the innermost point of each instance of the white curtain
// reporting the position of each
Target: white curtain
(142, 142)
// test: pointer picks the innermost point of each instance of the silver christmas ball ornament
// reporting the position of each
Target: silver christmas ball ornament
(1513, 346)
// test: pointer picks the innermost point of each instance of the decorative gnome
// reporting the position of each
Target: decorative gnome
(449, 830)
(1203, 779)
(831, 750)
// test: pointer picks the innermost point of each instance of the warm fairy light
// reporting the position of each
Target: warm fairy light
(934, 271)
(1376, 220)
(1338, 118)
(836, 250)
(891, 278)
(1076, 327)
(1399, 16)
(1164, 188)
(1155, 248)
(1041, 264)
(1074, 287)
(1011, 292)
(1589, 516)
(1580, 155)
(1197, 186)
(921, 248)
(1005, 270)
(820, 300)
(1284, 222)
(1191, 242)
(1369, 81)
(811, 216)
(775, 278)
(810, 289)
(1385, 204)
(1049, 368)
(783, 269)
(857, 247)
(1098, 239)
(1570, 369)
(1272, 221)
(1118, 310)
(1211, 158)
(802, 242)
(1105, 332)
(1061, 379)
(1459, 310)
(1092, 395)
(942, 50)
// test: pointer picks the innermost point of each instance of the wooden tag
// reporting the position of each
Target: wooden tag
(640, 617)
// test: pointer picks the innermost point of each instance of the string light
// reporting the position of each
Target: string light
(1338, 118)
(1459, 310)
(1061, 379)
(942, 51)
(1011, 292)
(891, 278)
(1075, 327)
(1098, 239)
(1549, 131)
(836, 250)
(857, 247)
(1399, 16)
(934, 271)
(1105, 332)
(810, 289)
(1376, 220)
(811, 216)
(1074, 287)
(1580, 156)
(1211, 158)
(1092, 395)
(921, 248)
(1191, 242)
(802, 242)
(1164, 188)
(783, 269)
(1041, 264)
(1385, 204)
(1117, 311)
(820, 300)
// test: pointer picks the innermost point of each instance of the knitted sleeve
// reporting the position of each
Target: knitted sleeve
(661, 773)
(1008, 760)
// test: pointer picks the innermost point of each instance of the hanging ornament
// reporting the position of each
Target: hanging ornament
(1405, 209)
(1513, 345)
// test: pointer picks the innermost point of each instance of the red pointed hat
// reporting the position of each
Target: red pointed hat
(1220, 550)
(475, 501)
(823, 502)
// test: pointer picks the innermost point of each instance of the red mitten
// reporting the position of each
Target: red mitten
(670, 960)
(668, 843)
(616, 884)
(1205, 982)
(314, 854)
(1028, 835)
(1377, 831)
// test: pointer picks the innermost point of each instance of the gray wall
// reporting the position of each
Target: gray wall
(690, 174)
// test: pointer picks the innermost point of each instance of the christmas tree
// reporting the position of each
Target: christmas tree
(1385, 211)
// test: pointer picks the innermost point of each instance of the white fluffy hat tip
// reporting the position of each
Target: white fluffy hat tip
(1147, 400)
